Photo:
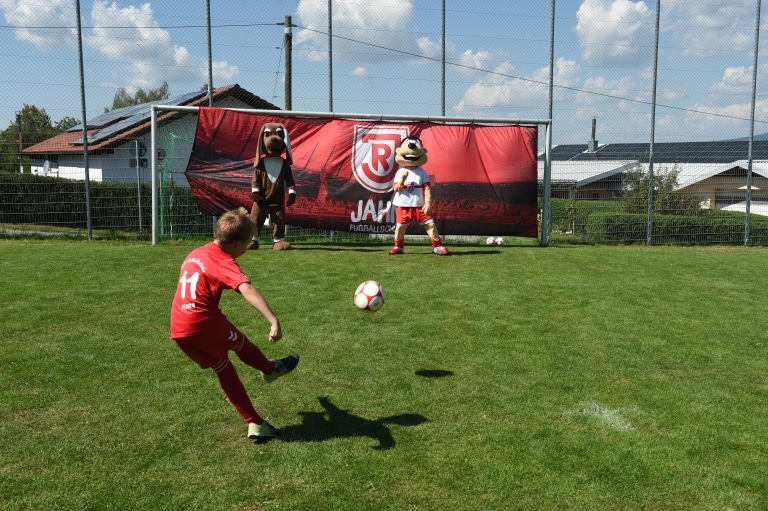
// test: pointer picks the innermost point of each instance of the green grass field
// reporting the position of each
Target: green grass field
(499, 378)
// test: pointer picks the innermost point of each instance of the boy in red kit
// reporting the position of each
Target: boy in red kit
(203, 332)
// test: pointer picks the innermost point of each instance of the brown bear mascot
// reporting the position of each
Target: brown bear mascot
(271, 175)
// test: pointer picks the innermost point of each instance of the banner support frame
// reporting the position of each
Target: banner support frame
(350, 116)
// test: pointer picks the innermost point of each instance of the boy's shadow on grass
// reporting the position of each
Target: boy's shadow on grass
(334, 422)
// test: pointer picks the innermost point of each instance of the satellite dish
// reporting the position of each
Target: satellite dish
(46, 167)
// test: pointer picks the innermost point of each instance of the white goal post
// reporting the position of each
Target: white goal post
(546, 123)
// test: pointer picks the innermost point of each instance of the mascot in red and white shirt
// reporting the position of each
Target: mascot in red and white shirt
(413, 196)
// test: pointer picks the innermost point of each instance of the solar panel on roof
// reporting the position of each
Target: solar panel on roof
(725, 151)
(116, 128)
(124, 118)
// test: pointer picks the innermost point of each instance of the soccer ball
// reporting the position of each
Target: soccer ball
(499, 241)
(369, 296)
(490, 241)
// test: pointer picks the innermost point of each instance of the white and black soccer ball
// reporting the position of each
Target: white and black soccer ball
(499, 241)
(369, 296)
(490, 241)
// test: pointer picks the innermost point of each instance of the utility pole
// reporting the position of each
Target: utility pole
(19, 144)
(442, 67)
(210, 56)
(288, 63)
(330, 55)
(88, 213)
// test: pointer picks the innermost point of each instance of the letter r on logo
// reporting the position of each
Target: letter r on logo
(373, 162)
(380, 154)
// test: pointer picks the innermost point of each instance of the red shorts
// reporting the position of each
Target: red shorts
(404, 216)
(212, 345)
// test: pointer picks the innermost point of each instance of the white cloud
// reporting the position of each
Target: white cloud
(128, 36)
(671, 95)
(360, 72)
(723, 115)
(503, 89)
(433, 49)
(611, 31)
(477, 61)
(28, 16)
(151, 57)
(666, 121)
(736, 80)
(223, 71)
(705, 29)
(565, 75)
(378, 26)
(733, 93)
(727, 99)
(624, 87)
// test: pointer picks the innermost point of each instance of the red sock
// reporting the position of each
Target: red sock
(436, 242)
(399, 243)
(235, 391)
(252, 356)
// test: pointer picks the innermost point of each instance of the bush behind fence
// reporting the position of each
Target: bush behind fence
(32, 204)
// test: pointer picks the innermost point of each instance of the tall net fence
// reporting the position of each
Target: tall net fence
(678, 203)
(592, 201)
(698, 88)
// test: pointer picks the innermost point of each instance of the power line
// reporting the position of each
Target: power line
(538, 82)
(410, 54)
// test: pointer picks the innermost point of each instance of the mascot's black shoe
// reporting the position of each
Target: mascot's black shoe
(253, 245)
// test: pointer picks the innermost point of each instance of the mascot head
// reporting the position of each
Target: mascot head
(411, 153)
(273, 140)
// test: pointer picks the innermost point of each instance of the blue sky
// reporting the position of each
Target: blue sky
(387, 53)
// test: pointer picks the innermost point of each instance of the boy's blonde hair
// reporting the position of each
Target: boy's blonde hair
(234, 226)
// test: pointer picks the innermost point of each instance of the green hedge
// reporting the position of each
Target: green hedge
(40, 200)
(572, 215)
(720, 227)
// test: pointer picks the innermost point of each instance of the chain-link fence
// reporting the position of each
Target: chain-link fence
(657, 110)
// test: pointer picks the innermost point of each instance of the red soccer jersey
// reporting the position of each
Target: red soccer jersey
(205, 274)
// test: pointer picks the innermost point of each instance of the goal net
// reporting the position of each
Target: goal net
(483, 172)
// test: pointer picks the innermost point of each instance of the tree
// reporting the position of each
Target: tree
(66, 123)
(666, 200)
(36, 126)
(123, 99)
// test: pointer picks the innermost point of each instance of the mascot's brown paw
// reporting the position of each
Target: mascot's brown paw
(253, 245)
(281, 245)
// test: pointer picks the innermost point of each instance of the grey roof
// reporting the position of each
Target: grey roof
(694, 161)
(719, 151)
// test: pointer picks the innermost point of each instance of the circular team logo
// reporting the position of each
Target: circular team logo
(373, 156)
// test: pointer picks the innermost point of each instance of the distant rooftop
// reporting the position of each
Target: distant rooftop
(115, 126)
(719, 151)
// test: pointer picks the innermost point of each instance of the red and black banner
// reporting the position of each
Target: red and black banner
(483, 177)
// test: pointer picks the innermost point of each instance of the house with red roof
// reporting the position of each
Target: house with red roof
(119, 140)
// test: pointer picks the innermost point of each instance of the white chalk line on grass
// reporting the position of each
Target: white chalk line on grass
(613, 418)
